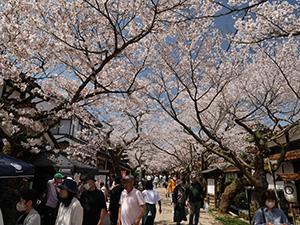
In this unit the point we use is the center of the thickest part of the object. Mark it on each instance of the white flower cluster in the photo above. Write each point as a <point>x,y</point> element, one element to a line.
<point>34,125</point>
<point>32,142</point>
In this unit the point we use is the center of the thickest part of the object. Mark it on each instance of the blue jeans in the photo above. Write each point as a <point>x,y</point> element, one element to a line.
<point>194,212</point>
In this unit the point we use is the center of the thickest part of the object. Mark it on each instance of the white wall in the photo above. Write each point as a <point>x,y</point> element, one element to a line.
<point>294,135</point>
<point>286,167</point>
<point>211,186</point>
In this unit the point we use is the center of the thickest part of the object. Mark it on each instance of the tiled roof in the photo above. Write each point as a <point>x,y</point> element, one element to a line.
<point>289,156</point>
<point>231,169</point>
<point>288,177</point>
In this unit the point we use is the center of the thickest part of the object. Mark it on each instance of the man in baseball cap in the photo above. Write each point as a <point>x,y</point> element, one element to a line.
<point>58,175</point>
<point>132,203</point>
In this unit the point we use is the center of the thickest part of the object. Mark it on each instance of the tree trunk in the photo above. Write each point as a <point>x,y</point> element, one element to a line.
<point>116,167</point>
<point>260,176</point>
<point>239,184</point>
<point>230,192</point>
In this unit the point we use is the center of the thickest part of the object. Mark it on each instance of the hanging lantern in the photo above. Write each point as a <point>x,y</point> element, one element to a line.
<point>290,192</point>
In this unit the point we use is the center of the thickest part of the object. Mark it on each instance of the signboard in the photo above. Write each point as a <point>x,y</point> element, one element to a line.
<point>123,173</point>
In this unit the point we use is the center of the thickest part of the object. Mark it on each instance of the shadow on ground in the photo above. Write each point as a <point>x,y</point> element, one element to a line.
<point>163,222</point>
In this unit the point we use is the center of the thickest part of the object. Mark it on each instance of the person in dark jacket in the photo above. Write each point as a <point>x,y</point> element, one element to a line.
<point>115,193</point>
<point>194,195</point>
<point>179,202</point>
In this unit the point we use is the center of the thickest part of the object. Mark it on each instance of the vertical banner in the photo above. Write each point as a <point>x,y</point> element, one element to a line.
<point>123,173</point>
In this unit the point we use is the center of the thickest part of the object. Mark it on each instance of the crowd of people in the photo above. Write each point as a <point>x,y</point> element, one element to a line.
<point>69,203</point>
<point>187,199</point>
<point>130,203</point>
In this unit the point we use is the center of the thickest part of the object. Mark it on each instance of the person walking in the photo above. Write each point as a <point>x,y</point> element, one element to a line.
<point>269,214</point>
<point>194,197</point>
<point>141,185</point>
<point>70,211</point>
<point>93,203</point>
<point>155,181</point>
<point>132,204</point>
<point>52,201</point>
<point>179,202</point>
<point>112,182</point>
<point>171,186</point>
<point>27,200</point>
<point>151,197</point>
<point>115,194</point>
<point>165,185</point>
<point>104,190</point>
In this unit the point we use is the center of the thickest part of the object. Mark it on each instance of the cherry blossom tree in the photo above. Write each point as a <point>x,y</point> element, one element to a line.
<point>221,96</point>
<point>75,53</point>
<point>89,55</point>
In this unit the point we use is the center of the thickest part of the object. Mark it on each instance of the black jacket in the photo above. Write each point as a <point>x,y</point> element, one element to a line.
<point>115,195</point>
<point>194,192</point>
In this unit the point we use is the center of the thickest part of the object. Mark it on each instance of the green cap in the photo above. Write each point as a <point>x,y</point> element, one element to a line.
<point>58,175</point>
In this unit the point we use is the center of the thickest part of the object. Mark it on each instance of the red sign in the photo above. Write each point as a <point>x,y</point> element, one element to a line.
<point>123,173</point>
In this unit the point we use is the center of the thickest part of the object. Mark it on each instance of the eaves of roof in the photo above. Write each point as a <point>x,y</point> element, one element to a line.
<point>289,156</point>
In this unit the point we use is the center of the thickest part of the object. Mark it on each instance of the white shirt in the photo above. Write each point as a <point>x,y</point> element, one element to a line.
<point>71,215</point>
<point>151,196</point>
<point>130,206</point>
<point>103,189</point>
<point>52,193</point>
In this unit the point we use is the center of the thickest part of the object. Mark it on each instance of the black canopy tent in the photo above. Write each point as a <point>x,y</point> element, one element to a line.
<point>58,162</point>
<point>11,167</point>
<point>80,167</point>
<point>48,163</point>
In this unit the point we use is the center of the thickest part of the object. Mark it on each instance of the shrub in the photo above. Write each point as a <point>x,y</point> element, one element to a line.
<point>241,200</point>
<point>228,220</point>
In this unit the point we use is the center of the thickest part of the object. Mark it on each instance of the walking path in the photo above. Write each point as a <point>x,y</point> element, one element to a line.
<point>166,217</point>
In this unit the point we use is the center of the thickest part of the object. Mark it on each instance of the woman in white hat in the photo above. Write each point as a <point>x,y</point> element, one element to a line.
<point>179,202</point>
<point>70,211</point>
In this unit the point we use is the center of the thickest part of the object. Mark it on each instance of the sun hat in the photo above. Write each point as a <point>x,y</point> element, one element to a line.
<point>69,185</point>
